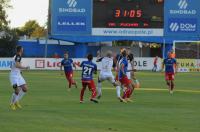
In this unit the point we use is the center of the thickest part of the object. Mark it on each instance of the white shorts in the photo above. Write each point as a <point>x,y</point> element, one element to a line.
<point>109,77</point>
<point>128,74</point>
<point>17,80</point>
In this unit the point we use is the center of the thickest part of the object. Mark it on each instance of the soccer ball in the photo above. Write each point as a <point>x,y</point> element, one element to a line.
<point>136,83</point>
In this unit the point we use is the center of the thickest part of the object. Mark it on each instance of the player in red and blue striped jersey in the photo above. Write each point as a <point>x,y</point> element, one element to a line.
<point>125,82</point>
<point>88,69</point>
<point>67,63</point>
<point>170,66</point>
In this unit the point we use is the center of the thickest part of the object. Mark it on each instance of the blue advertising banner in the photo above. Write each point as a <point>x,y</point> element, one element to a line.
<point>70,17</point>
<point>182,18</point>
<point>137,20</point>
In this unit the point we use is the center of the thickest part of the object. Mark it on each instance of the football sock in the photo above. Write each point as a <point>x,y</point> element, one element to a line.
<point>130,93</point>
<point>21,94</point>
<point>168,84</point>
<point>99,89</point>
<point>73,82</point>
<point>82,94</point>
<point>125,93</point>
<point>70,83</point>
<point>13,98</point>
<point>172,86</point>
<point>118,91</point>
<point>94,93</point>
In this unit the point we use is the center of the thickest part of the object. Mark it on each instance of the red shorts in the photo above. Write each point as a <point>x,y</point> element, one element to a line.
<point>90,84</point>
<point>169,76</point>
<point>69,75</point>
<point>116,77</point>
<point>125,81</point>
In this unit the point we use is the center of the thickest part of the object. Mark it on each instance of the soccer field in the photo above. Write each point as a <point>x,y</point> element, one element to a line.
<point>49,107</point>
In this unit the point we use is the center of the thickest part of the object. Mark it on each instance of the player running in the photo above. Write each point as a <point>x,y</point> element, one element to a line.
<point>88,69</point>
<point>170,66</point>
<point>106,74</point>
<point>67,63</point>
<point>17,81</point>
<point>125,82</point>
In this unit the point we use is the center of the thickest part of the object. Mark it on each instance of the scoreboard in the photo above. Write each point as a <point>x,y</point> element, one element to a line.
<point>107,17</point>
<point>128,13</point>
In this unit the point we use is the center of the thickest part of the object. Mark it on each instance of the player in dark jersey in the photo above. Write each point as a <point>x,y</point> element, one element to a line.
<point>88,69</point>
<point>67,63</point>
<point>116,62</point>
<point>170,66</point>
<point>123,68</point>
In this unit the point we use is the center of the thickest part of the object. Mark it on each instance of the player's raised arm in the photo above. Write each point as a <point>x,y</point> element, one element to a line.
<point>99,57</point>
<point>98,54</point>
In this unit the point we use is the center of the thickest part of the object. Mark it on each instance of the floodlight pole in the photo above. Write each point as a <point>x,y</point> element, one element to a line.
<point>164,48</point>
<point>46,43</point>
<point>46,47</point>
<point>198,51</point>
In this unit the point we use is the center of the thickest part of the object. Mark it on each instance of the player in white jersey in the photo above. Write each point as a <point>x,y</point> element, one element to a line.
<point>17,81</point>
<point>131,69</point>
<point>106,74</point>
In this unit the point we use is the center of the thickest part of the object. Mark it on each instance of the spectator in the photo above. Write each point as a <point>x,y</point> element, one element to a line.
<point>56,56</point>
<point>155,64</point>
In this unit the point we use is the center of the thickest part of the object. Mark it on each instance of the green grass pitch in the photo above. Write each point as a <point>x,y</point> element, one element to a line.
<point>49,107</point>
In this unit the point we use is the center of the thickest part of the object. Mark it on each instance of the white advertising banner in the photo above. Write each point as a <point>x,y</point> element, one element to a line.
<point>126,32</point>
<point>54,64</point>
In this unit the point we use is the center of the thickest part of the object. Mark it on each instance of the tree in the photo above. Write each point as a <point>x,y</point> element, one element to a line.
<point>4,4</point>
<point>39,32</point>
<point>8,42</point>
<point>32,29</point>
<point>8,37</point>
<point>29,27</point>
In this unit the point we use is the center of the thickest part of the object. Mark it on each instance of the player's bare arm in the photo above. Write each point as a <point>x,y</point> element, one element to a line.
<point>176,68</point>
<point>18,65</point>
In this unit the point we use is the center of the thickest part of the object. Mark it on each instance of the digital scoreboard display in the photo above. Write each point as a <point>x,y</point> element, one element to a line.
<point>145,14</point>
